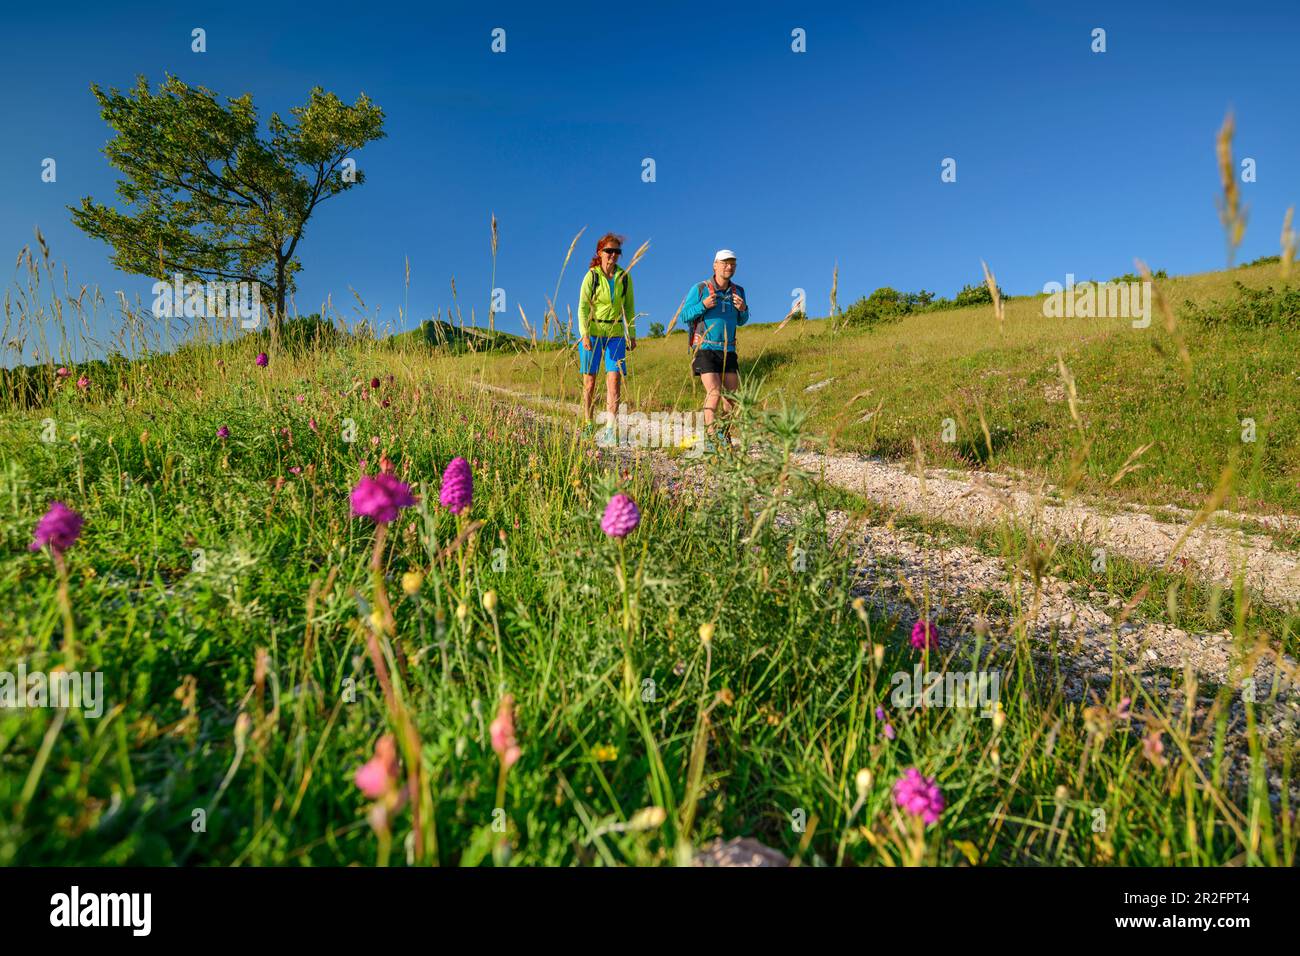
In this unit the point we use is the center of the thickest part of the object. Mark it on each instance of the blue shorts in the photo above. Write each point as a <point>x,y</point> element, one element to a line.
<point>613,347</point>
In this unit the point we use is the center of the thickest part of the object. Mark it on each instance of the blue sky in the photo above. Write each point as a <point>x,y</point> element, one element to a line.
<point>1068,161</point>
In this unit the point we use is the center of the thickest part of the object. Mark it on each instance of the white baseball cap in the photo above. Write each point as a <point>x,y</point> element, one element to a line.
<point>724,254</point>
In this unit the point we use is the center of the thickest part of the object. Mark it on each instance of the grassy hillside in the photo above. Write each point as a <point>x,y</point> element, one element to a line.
<point>892,384</point>
<point>458,340</point>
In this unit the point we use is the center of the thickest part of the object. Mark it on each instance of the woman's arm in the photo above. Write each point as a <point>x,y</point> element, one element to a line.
<point>629,310</point>
<point>584,304</point>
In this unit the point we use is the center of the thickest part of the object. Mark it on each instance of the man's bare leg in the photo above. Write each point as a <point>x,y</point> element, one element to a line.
<point>712,383</point>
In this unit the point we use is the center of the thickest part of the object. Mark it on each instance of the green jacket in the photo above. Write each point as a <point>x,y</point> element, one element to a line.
<point>599,315</point>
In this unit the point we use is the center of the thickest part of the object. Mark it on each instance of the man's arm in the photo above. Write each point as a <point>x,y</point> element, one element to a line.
<point>694,307</point>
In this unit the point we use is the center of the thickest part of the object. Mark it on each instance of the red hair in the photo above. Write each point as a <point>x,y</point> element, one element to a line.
<point>600,244</point>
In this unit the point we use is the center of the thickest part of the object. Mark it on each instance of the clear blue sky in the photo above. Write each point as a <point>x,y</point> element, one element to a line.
<point>1067,160</point>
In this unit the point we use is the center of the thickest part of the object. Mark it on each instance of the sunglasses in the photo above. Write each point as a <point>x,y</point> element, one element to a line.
<point>612,252</point>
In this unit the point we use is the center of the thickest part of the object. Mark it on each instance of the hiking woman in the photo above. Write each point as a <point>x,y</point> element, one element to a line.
<point>713,311</point>
<point>606,322</point>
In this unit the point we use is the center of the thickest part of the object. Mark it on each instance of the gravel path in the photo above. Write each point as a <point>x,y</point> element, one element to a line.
<point>1216,553</point>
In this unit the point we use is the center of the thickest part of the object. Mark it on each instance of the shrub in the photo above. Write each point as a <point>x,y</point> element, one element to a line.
<point>1249,309</point>
<point>1133,277</point>
<point>976,295</point>
<point>883,305</point>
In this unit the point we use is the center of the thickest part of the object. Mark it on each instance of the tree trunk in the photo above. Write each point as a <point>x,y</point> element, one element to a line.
<point>277,317</point>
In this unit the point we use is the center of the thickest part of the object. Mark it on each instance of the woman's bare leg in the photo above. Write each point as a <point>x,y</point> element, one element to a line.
<point>613,380</point>
<point>588,396</point>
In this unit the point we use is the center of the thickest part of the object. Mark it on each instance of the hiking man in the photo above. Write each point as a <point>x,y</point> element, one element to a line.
<point>713,311</point>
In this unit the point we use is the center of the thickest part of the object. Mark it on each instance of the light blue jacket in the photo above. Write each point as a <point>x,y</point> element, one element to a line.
<point>719,323</point>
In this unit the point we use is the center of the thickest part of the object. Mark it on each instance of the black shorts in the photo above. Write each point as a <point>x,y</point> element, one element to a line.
<point>711,360</point>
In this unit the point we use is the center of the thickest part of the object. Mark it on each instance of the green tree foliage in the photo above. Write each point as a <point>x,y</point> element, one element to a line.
<point>206,195</point>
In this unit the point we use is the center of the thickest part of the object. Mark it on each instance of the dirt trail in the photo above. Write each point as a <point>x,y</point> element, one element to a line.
<point>1214,551</point>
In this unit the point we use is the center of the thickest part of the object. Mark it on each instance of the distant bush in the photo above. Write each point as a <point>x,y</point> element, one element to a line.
<point>1261,261</point>
<point>1133,277</point>
<point>883,305</point>
<point>1249,309</point>
<point>656,330</point>
<point>976,295</point>
<point>889,305</point>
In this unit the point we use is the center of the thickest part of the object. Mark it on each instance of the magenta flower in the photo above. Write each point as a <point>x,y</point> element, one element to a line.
<point>457,492</point>
<point>300,399</point>
<point>296,470</point>
<point>83,383</point>
<point>503,732</point>
<point>380,497</point>
<point>621,516</point>
<point>377,775</point>
<point>59,528</point>
<point>311,423</point>
<point>919,795</point>
<point>63,372</point>
<point>261,360</point>
<point>374,383</point>
<point>223,432</point>
<point>924,635</point>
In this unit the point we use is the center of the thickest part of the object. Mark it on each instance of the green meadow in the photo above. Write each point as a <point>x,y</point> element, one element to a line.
<point>687,681</point>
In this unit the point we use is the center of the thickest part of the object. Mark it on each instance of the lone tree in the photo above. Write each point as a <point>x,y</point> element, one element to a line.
<point>208,197</point>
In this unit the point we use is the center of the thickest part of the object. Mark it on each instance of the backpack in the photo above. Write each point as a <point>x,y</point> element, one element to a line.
<point>707,284</point>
